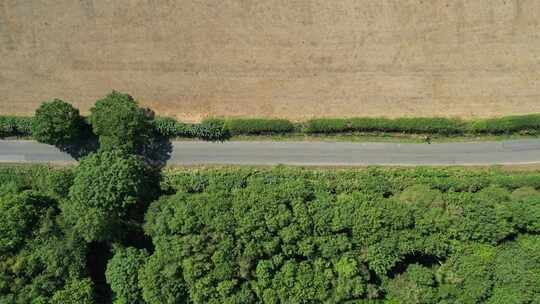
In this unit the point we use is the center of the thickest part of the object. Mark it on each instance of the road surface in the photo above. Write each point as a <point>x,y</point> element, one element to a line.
<point>309,153</point>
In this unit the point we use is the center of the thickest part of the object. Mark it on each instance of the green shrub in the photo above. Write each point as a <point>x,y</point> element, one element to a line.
<point>256,126</point>
<point>437,125</point>
<point>508,124</point>
<point>169,127</point>
<point>15,126</point>
<point>212,129</point>
<point>327,125</point>
<point>56,123</point>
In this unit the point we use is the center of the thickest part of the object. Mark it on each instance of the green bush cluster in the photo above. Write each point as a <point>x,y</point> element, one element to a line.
<point>257,126</point>
<point>15,126</point>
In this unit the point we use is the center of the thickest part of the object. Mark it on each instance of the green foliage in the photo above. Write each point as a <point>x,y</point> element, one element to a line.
<point>20,213</point>
<point>75,291</point>
<point>119,123</point>
<point>122,275</point>
<point>15,126</point>
<point>161,281</point>
<point>354,236</point>
<point>250,126</point>
<point>435,125</point>
<point>106,185</point>
<point>416,286</point>
<point>37,256</point>
<point>169,127</point>
<point>508,124</point>
<point>57,123</point>
<point>282,235</point>
<point>212,129</point>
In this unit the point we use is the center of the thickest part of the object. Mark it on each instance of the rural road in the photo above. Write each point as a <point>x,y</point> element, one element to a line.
<point>310,153</point>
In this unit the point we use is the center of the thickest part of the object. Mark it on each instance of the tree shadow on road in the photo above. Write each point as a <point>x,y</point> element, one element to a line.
<point>157,151</point>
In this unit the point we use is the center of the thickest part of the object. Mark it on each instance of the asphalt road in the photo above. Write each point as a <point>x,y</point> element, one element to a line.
<point>310,153</point>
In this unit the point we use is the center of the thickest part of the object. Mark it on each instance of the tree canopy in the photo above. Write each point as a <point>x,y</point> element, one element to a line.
<point>57,123</point>
<point>120,123</point>
<point>105,186</point>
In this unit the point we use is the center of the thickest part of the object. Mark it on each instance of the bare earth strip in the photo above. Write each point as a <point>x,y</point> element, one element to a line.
<point>311,153</point>
<point>290,59</point>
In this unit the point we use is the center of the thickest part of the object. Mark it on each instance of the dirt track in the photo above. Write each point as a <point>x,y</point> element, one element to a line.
<point>284,58</point>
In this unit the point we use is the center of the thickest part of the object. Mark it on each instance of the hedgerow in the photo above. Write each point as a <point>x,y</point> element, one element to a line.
<point>169,127</point>
<point>257,126</point>
<point>438,125</point>
<point>15,126</point>
<point>509,124</point>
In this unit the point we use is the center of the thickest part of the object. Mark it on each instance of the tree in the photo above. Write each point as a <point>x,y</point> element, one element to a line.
<point>78,291</point>
<point>37,256</point>
<point>57,123</point>
<point>161,281</point>
<point>122,275</point>
<point>120,123</point>
<point>416,286</point>
<point>106,185</point>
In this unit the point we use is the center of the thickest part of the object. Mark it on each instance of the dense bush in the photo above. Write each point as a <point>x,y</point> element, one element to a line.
<point>120,123</point>
<point>436,125</point>
<point>57,123</point>
<point>255,126</point>
<point>508,124</point>
<point>15,126</point>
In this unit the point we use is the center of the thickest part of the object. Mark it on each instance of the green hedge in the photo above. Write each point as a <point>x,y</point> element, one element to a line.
<point>507,124</point>
<point>169,127</point>
<point>221,129</point>
<point>15,126</point>
<point>256,126</point>
<point>436,125</point>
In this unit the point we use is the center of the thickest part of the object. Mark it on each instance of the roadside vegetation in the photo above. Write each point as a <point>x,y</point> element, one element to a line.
<point>416,129</point>
<point>281,235</point>
<point>120,228</point>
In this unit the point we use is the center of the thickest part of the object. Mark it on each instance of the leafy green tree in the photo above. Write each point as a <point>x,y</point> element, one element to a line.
<point>122,274</point>
<point>37,256</point>
<point>107,184</point>
<point>57,123</point>
<point>161,281</point>
<point>416,286</point>
<point>120,123</point>
<point>75,291</point>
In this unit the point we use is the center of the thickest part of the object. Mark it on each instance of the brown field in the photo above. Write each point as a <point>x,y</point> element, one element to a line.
<point>282,58</point>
